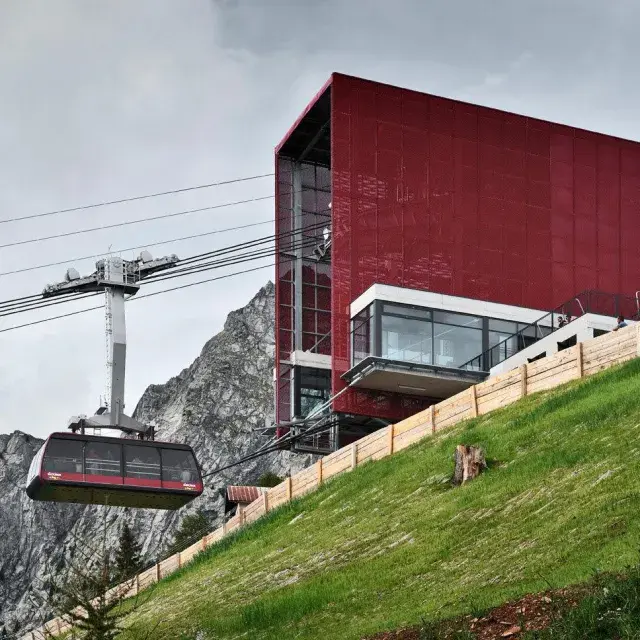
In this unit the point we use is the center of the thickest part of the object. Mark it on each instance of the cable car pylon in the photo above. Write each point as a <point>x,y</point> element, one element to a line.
<point>116,277</point>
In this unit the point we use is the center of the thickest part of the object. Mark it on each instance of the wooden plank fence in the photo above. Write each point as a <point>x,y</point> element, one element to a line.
<point>584,359</point>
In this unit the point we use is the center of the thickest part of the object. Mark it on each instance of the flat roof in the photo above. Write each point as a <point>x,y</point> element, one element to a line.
<point>309,138</point>
<point>325,91</point>
<point>424,298</point>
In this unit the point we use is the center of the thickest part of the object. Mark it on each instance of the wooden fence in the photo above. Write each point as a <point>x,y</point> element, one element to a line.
<point>583,359</point>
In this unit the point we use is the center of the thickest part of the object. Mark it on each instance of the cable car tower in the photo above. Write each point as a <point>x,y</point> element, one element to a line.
<point>117,278</point>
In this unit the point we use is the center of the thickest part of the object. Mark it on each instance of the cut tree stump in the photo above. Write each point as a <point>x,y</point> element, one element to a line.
<point>470,462</point>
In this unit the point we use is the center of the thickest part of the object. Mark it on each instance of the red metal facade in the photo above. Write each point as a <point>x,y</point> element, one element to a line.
<point>436,194</point>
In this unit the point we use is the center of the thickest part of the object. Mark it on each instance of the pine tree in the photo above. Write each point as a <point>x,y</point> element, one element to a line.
<point>128,555</point>
<point>81,597</point>
<point>192,528</point>
<point>269,479</point>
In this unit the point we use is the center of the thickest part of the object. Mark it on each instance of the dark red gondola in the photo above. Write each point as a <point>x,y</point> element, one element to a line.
<point>88,469</point>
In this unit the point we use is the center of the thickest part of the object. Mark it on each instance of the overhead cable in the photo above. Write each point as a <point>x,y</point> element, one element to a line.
<point>66,234</point>
<point>142,246</point>
<point>225,256</point>
<point>46,302</point>
<point>134,198</point>
<point>146,295</point>
<point>277,446</point>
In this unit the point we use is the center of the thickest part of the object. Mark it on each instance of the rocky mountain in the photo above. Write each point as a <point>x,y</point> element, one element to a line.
<point>216,405</point>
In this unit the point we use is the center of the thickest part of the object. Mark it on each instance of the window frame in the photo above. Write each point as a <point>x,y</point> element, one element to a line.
<point>134,444</point>
<point>102,443</point>
<point>198,476</point>
<point>44,451</point>
<point>377,312</point>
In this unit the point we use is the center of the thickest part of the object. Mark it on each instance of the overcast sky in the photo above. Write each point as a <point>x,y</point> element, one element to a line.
<point>103,99</point>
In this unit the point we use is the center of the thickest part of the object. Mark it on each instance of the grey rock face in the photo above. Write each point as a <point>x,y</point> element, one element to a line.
<point>216,405</point>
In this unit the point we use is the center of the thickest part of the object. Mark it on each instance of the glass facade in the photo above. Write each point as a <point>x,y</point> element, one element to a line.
<point>456,338</point>
<point>362,335</point>
<point>432,336</point>
<point>407,334</point>
<point>304,283</point>
<point>311,388</point>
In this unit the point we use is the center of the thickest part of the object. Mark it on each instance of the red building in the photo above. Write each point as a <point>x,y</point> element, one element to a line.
<point>378,185</point>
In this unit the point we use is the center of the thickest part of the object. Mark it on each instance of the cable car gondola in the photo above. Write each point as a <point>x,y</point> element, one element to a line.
<point>96,469</point>
<point>90,469</point>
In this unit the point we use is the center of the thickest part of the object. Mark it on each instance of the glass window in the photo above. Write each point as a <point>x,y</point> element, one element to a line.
<point>310,399</point>
<point>458,319</point>
<point>141,462</point>
<point>361,345</point>
<point>178,465</point>
<point>314,389</point>
<point>502,346</point>
<point>502,340</point>
<point>503,326</point>
<point>33,467</point>
<point>103,458</point>
<point>453,345</point>
<point>406,339</point>
<point>406,311</point>
<point>63,456</point>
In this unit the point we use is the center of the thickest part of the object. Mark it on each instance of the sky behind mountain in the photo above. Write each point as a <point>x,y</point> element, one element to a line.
<point>103,100</point>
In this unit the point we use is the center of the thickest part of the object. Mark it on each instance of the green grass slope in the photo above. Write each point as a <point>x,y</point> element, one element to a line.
<point>392,542</point>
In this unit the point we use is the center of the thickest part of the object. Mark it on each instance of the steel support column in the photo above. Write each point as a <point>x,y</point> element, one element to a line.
<point>297,242</point>
<point>117,337</point>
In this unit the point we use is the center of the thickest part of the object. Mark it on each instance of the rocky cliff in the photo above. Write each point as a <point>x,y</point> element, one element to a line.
<point>216,405</point>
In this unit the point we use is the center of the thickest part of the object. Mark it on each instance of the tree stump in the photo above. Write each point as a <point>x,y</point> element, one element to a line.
<point>470,462</point>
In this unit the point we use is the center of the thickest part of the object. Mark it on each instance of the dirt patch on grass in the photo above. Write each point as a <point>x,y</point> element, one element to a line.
<point>511,620</point>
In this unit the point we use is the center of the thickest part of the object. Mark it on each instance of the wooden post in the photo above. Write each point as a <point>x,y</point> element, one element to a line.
<point>158,572</point>
<point>224,528</point>
<point>265,501</point>
<point>204,543</point>
<point>319,469</point>
<point>523,380</point>
<point>137,583</point>
<point>474,401</point>
<point>432,417</point>
<point>179,560</point>
<point>242,516</point>
<point>638,339</point>
<point>289,488</point>
<point>579,362</point>
<point>391,435</point>
<point>354,455</point>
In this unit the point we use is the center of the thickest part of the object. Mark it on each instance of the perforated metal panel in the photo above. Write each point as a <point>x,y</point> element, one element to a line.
<point>440,195</point>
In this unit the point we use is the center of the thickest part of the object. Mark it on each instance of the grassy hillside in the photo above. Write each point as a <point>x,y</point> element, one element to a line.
<point>392,542</point>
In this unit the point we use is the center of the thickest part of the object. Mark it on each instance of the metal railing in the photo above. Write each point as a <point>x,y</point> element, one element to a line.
<point>322,441</point>
<point>590,301</point>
